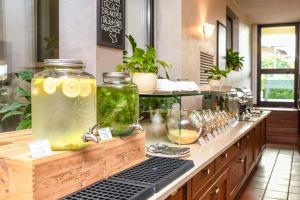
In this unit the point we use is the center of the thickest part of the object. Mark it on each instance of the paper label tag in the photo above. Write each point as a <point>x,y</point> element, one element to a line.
<point>210,137</point>
<point>215,133</point>
<point>226,127</point>
<point>220,130</point>
<point>39,148</point>
<point>104,133</point>
<point>201,141</point>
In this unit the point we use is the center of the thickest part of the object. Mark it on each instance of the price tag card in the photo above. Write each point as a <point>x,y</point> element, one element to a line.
<point>226,127</point>
<point>39,148</point>
<point>222,130</point>
<point>210,137</point>
<point>104,133</point>
<point>201,141</point>
<point>215,133</point>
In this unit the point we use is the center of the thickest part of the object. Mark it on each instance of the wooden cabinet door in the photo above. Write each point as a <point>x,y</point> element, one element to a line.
<point>237,175</point>
<point>179,195</point>
<point>249,142</point>
<point>257,145</point>
<point>263,134</point>
<point>218,190</point>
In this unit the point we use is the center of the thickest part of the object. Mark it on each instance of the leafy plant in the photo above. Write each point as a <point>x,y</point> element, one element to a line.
<point>20,108</point>
<point>50,42</point>
<point>233,60</point>
<point>144,61</point>
<point>216,74</point>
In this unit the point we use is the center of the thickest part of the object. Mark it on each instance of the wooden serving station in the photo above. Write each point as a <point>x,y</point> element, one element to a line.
<point>62,172</point>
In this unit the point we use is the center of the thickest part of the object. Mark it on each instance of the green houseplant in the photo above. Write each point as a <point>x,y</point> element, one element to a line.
<point>215,75</point>
<point>233,60</point>
<point>21,107</point>
<point>143,66</point>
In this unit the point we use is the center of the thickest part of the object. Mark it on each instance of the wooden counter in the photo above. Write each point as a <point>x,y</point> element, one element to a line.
<point>221,166</point>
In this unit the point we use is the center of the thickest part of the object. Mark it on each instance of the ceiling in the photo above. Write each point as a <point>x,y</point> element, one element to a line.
<point>270,11</point>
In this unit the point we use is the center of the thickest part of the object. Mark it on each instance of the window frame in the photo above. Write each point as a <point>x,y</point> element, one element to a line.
<point>261,71</point>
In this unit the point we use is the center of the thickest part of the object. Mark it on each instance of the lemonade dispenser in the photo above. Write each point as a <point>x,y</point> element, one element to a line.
<point>63,103</point>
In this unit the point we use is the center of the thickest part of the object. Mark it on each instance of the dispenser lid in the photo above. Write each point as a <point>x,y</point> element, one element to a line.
<point>64,62</point>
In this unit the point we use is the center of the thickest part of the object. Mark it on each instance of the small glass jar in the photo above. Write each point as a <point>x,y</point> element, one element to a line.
<point>118,103</point>
<point>63,103</point>
<point>183,127</point>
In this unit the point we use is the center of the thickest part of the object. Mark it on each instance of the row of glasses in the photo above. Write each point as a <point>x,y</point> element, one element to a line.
<point>212,120</point>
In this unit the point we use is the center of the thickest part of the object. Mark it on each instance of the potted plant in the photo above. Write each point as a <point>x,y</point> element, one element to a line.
<point>233,60</point>
<point>143,66</point>
<point>215,75</point>
<point>21,107</point>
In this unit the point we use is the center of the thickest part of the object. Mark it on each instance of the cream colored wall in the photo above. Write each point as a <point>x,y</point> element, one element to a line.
<point>241,78</point>
<point>168,34</point>
<point>184,52</point>
<point>254,62</point>
<point>194,14</point>
<point>78,37</point>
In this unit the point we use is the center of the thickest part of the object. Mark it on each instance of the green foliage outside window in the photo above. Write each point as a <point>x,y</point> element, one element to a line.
<point>268,63</point>
<point>279,93</point>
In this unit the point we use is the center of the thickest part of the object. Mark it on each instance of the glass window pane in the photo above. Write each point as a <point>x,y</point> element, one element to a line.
<point>278,46</point>
<point>229,33</point>
<point>29,33</point>
<point>277,87</point>
<point>136,22</point>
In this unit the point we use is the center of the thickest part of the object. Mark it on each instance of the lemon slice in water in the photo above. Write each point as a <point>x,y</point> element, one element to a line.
<point>49,85</point>
<point>71,88</point>
<point>85,88</point>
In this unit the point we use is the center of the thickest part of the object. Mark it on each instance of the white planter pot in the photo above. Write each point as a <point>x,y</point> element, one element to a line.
<point>146,82</point>
<point>214,82</point>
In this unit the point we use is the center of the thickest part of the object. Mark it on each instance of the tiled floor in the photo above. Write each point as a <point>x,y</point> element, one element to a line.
<point>277,176</point>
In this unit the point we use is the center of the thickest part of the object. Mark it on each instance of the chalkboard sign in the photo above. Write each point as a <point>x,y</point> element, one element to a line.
<point>111,23</point>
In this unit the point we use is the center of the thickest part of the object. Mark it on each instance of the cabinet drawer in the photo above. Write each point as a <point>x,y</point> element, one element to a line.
<point>199,181</point>
<point>217,191</point>
<point>225,157</point>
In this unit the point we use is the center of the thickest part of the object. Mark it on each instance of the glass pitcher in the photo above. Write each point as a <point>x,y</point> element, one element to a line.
<point>183,127</point>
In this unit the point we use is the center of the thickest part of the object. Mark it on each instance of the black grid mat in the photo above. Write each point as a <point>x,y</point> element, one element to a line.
<point>157,172</point>
<point>112,190</point>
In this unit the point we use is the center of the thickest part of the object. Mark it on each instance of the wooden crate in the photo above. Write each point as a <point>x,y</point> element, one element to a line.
<point>63,172</point>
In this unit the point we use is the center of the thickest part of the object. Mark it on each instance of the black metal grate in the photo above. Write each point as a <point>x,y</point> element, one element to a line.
<point>157,172</point>
<point>112,190</point>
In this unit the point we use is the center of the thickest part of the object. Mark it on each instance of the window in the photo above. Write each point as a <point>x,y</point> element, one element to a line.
<point>139,22</point>
<point>229,32</point>
<point>277,64</point>
<point>28,34</point>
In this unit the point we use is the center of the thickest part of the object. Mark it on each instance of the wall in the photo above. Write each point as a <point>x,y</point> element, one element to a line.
<point>254,62</point>
<point>168,34</point>
<point>78,37</point>
<point>194,14</point>
<point>179,39</point>
<point>241,78</point>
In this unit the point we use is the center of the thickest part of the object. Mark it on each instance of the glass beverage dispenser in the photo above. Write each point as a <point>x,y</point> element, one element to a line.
<point>63,103</point>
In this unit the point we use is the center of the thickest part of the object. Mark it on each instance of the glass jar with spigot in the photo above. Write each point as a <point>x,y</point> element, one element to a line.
<point>63,103</point>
